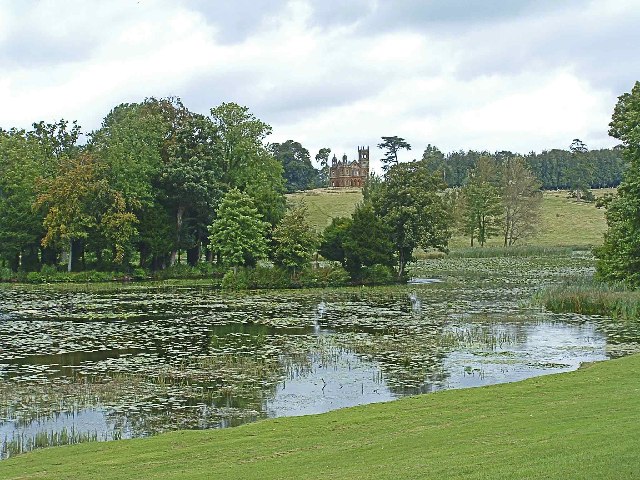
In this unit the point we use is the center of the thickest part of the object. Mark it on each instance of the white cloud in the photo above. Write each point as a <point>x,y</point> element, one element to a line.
<point>530,77</point>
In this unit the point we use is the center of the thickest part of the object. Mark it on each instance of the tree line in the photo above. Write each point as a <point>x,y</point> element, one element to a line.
<point>145,187</point>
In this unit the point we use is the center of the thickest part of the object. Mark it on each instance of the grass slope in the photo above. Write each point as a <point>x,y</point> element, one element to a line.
<point>563,221</point>
<point>576,425</point>
<point>323,204</point>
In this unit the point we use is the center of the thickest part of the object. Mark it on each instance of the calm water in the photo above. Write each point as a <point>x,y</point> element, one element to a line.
<point>102,365</point>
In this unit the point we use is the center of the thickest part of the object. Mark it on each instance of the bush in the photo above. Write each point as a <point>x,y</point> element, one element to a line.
<point>333,276</point>
<point>235,280</point>
<point>268,277</point>
<point>378,275</point>
<point>6,275</point>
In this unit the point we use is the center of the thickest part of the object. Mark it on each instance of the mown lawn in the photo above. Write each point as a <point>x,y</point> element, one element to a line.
<point>579,425</point>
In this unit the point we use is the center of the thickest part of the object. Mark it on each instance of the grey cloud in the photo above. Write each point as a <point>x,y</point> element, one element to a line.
<point>283,102</point>
<point>235,20</point>
<point>604,55</point>
<point>451,16</point>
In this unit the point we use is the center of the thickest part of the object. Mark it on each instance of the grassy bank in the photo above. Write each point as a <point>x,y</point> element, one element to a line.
<point>564,222</point>
<point>576,425</point>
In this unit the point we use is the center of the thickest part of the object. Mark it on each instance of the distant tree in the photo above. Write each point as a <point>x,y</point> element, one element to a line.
<point>435,161</point>
<point>79,200</point>
<point>322,157</point>
<point>521,200</point>
<point>580,171</point>
<point>294,242</point>
<point>392,145</point>
<point>333,238</point>
<point>238,232</point>
<point>22,162</point>
<point>190,183</point>
<point>481,208</point>
<point>619,256</point>
<point>299,173</point>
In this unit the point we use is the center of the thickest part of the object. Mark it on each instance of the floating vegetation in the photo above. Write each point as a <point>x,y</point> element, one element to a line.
<point>87,364</point>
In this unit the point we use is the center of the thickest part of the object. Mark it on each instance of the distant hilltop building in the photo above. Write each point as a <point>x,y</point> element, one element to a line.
<point>350,174</point>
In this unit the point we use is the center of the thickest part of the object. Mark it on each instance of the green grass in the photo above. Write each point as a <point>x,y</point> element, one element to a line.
<point>323,204</point>
<point>576,425</point>
<point>564,222</point>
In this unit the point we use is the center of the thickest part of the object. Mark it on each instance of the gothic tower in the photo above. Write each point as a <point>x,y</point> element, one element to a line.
<point>363,160</point>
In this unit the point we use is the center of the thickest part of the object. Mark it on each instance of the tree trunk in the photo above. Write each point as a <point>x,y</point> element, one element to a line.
<point>70,255</point>
<point>179,219</point>
<point>193,255</point>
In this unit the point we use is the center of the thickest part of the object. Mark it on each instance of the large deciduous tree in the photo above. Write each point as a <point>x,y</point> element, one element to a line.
<point>411,202</point>
<point>521,200</point>
<point>299,173</point>
<point>245,161</point>
<point>78,201</point>
<point>619,256</point>
<point>481,209</point>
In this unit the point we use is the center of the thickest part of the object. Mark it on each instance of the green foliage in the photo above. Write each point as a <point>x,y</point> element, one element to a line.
<point>235,279</point>
<point>392,145</point>
<point>619,256</point>
<point>245,162</point>
<point>411,203</point>
<point>367,241</point>
<point>294,241</point>
<point>298,171</point>
<point>332,276</point>
<point>481,208</point>
<point>238,234</point>
<point>377,275</point>
<point>333,238</point>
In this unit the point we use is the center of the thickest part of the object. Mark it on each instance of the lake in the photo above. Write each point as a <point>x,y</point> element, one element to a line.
<point>83,363</point>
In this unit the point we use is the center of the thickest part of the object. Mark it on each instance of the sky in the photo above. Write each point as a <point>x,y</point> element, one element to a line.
<point>519,75</point>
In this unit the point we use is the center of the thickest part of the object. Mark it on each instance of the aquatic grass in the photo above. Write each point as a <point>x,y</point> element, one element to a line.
<point>591,298</point>
<point>514,251</point>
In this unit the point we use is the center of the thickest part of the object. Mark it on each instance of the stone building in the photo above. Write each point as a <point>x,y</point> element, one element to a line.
<point>344,173</point>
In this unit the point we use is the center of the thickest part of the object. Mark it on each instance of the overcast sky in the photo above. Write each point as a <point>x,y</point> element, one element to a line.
<point>514,75</point>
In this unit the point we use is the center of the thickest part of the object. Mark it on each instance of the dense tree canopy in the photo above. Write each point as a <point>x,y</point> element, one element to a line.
<point>299,173</point>
<point>238,234</point>
<point>619,256</point>
<point>411,204</point>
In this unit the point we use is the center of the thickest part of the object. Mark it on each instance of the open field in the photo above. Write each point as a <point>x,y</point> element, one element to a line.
<point>563,222</point>
<point>575,425</point>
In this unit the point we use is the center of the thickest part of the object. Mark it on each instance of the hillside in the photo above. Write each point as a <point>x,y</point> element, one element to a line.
<point>563,222</point>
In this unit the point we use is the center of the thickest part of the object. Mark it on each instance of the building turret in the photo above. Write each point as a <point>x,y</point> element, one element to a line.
<point>363,157</point>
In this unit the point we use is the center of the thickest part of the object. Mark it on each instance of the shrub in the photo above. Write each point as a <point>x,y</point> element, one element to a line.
<point>235,280</point>
<point>377,275</point>
<point>268,277</point>
<point>332,276</point>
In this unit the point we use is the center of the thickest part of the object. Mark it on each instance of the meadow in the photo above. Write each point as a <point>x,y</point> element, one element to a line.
<point>563,220</point>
